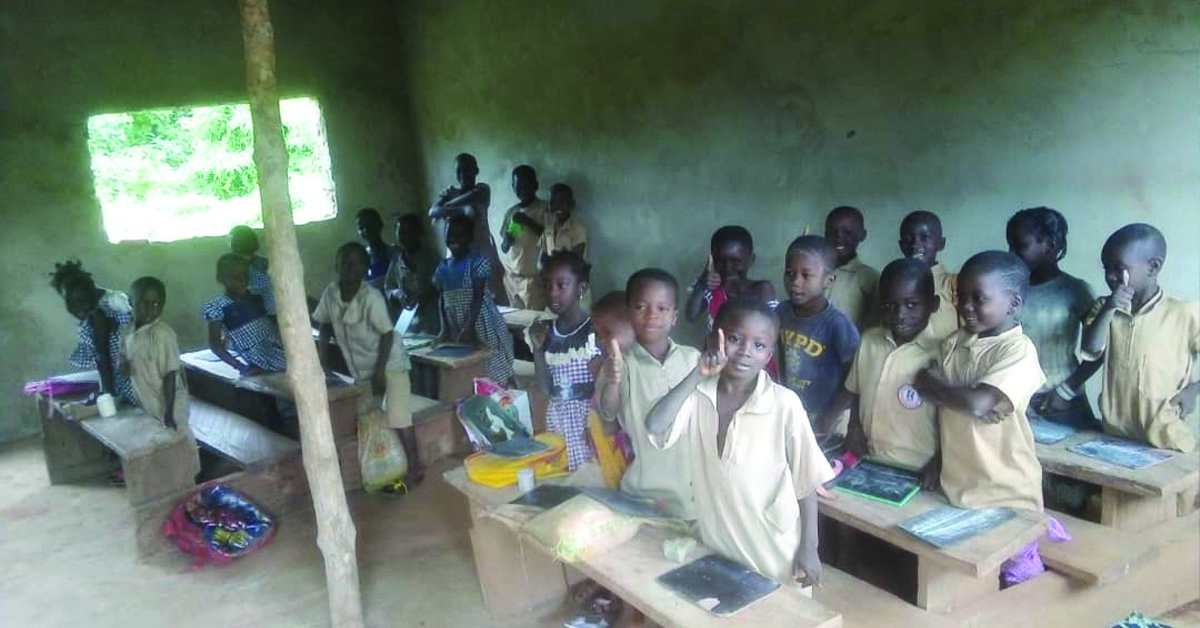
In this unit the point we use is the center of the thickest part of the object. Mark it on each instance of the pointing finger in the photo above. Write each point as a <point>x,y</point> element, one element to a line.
<point>1125,278</point>
<point>721,343</point>
<point>708,266</point>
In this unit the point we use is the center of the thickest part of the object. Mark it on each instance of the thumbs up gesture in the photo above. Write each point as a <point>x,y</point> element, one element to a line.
<point>1122,296</point>
<point>712,279</point>
<point>613,362</point>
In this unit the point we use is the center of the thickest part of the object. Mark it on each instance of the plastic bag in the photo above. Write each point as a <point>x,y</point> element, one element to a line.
<point>60,387</point>
<point>497,471</point>
<point>580,528</point>
<point>612,460</point>
<point>1027,564</point>
<point>380,453</point>
<point>217,524</point>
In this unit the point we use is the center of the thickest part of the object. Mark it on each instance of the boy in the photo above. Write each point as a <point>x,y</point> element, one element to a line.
<point>244,317</point>
<point>243,242</point>
<point>520,235</point>
<point>151,353</point>
<point>471,198</point>
<point>356,314</point>
<point>817,341</point>
<point>633,383</point>
<point>888,417</point>
<point>564,231</point>
<point>409,280</point>
<point>1149,341</point>
<point>369,225</point>
<point>855,284</point>
<point>989,372</point>
<point>921,239</point>
<point>730,257</point>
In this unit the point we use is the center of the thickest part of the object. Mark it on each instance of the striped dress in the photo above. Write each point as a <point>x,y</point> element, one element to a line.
<point>567,358</point>
<point>457,279</point>
<point>116,307</point>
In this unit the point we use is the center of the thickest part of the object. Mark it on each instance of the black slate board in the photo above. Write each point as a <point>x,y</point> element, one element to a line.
<point>546,496</point>
<point>733,585</point>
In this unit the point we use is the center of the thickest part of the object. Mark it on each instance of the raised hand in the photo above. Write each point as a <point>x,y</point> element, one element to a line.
<point>712,280</point>
<point>714,359</point>
<point>1122,297</point>
<point>613,362</point>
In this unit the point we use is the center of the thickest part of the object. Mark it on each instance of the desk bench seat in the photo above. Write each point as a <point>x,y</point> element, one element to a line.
<point>236,438</point>
<point>1096,554</point>
<point>156,460</point>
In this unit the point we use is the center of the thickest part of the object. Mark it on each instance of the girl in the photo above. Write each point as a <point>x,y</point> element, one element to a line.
<point>731,254</point>
<point>755,462</point>
<point>564,351</point>
<point>471,198</point>
<point>1052,316</point>
<point>469,313</point>
<point>242,315</point>
<point>104,318</point>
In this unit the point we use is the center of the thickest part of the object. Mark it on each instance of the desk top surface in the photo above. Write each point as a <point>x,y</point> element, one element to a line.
<point>976,556</point>
<point>523,318</point>
<point>1166,478</point>
<point>631,571</point>
<point>424,355</point>
<point>130,432</point>
<point>273,384</point>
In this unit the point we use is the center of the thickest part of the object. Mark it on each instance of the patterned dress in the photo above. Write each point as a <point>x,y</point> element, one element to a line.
<point>260,282</point>
<point>456,279</point>
<point>115,306</point>
<point>251,333</point>
<point>567,358</point>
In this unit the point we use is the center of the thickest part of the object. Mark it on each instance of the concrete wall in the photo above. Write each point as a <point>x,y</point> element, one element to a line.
<point>673,118</point>
<point>62,60</point>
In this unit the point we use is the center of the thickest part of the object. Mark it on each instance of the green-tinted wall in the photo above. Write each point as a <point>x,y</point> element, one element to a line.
<point>63,60</point>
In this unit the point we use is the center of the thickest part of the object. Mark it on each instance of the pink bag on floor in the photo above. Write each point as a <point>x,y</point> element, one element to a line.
<point>1028,563</point>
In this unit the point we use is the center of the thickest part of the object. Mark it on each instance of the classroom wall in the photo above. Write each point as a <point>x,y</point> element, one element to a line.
<point>62,60</point>
<point>672,118</point>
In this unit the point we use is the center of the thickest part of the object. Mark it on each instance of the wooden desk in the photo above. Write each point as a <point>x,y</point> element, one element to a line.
<point>1131,499</point>
<point>455,376</point>
<point>515,576</point>
<point>518,320</point>
<point>946,578</point>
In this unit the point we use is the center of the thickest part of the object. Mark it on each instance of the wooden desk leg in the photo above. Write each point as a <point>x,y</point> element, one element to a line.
<point>942,589</point>
<point>71,454</point>
<point>513,578</point>
<point>1126,511</point>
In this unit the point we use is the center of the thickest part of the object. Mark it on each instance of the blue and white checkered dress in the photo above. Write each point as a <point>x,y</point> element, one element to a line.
<point>567,357</point>
<point>115,305</point>
<point>259,282</point>
<point>251,333</point>
<point>457,278</point>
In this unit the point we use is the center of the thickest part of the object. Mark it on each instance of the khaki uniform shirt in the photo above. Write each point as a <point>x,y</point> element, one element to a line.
<point>853,292</point>
<point>664,475</point>
<point>152,351</point>
<point>747,495</point>
<point>1150,357</point>
<point>944,321</point>
<point>901,427</point>
<point>992,464</point>
<point>563,237</point>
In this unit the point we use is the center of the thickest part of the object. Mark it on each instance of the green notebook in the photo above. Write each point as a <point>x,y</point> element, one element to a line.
<point>876,481</point>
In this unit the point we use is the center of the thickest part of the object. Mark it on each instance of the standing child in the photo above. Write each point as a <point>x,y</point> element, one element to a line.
<point>151,352</point>
<point>817,341</point>
<point>636,380</point>
<point>243,242</point>
<point>520,237</point>
<point>1053,315</point>
<point>1150,343</point>
<point>564,231</point>
<point>563,352</point>
<point>104,317</point>
<point>409,282</point>
<point>471,198</point>
<point>369,225</point>
<point>356,315</point>
<point>614,332</point>
<point>469,313</point>
<point>755,465</point>
<point>855,284</point>
<point>243,316</point>
<point>731,254</point>
<point>921,239</point>
<point>988,373</point>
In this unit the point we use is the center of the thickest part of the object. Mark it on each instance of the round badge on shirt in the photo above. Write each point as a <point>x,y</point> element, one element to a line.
<point>909,397</point>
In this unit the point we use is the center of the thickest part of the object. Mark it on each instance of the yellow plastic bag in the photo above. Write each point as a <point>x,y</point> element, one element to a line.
<point>580,528</point>
<point>380,453</point>
<point>612,461</point>
<point>498,471</point>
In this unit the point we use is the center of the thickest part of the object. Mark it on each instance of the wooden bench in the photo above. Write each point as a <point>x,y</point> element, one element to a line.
<point>1131,499</point>
<point>946,578</point>
<point>516,576</point>
<point>235,438</point>
<point>1095,554</point>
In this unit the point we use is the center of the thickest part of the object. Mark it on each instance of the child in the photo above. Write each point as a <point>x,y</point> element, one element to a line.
<point>855,283</point>
<point>610,317</point>
<point>369,225</point>
<point>989,372</point>
<point>731,254</point>
<point>1150,343</point>
<point>563,353</point>
<point>1052,316</point>
<point>243,316</point>
<point>409,282</point>
<point>755,462</point>
<point>151,352</point>
<point>104,317</point>
<point>635,380</point>
<point>244,243</point>
<point>817,341</point>
<point>469,313</point>
<point>888,418</point>
<point>564,231</point>
<point>519,237</point>
<point>356,314</point>
<point>471,198</point>
<point>921,239</point>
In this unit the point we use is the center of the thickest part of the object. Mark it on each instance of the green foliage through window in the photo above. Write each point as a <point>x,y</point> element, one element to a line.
<point>180,173</point>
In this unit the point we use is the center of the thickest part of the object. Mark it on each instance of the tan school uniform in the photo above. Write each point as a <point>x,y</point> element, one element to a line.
<point>1149,358</point>
<point>521,279</point>
<point>566,237</point>
<point>945,320</point>
<point>747,495</point>
<point>661,474</point>
<point>900,425</point>
<point>992,464</point>
<point>853,292</point>
<point>151,352</point>
<point>358,326</point>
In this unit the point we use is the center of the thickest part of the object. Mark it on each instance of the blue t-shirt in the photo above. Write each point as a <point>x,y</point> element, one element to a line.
<point>814,352</point>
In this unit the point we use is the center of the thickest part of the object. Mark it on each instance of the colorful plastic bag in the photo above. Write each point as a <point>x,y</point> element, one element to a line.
<point>217,524</point>
<point>497,471</point>
<point>380,454</point>
<point>580,528</point>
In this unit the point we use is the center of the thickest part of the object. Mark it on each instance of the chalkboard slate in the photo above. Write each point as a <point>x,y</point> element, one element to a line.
<point>1121,452</point>
<point>731,585</point>
<point>451,351</point>
<point>945,526</point>
<point>546,496</point>
<point>879,482</point>
<point>1048,432</point>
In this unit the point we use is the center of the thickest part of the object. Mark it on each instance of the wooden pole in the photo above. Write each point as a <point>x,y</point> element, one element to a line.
<point>335,528</point>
